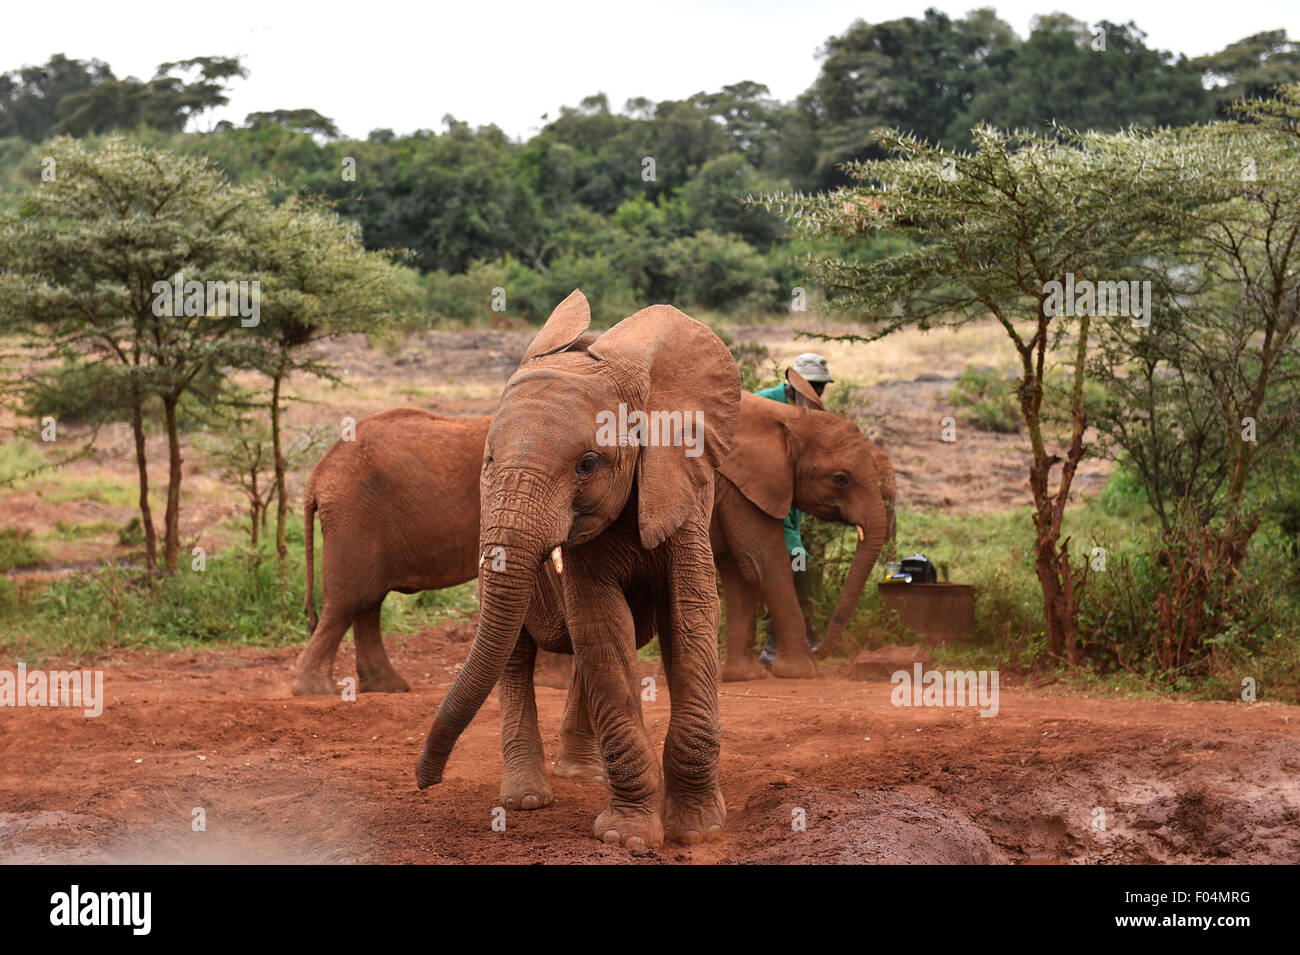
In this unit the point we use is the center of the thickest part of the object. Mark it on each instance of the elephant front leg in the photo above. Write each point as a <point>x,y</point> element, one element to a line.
<point>694,810</point>
<point>523,784</point>
<point>579,756</point>
<point>604,643</point>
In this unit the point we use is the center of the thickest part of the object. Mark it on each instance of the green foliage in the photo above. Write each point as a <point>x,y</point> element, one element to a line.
<point>77,97</point>
<point>240,598</point>
<point>989,399</point>
<point>132,533</point>
<point>19,457</point>
<point>1176,611</point>
<point>751,357</point>
<point>18,550</point>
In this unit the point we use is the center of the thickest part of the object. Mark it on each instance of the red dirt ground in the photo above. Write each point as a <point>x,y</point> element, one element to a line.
<point>285,779</point>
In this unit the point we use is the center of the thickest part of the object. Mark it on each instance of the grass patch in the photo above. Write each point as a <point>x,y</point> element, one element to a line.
<point>240,598</point>
<point>18,550</point>
<point>73,532</point>
<point>987,398</point>
<point>19,457</point>
<point>103,490</point>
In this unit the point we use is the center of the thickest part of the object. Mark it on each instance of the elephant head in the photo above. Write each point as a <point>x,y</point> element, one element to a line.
<point>634,420</point>
<point>821,463</point>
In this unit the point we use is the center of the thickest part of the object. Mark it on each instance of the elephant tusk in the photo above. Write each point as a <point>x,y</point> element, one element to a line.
<point>557,559</point>
<point>861,534</point>
<point>480,560</point>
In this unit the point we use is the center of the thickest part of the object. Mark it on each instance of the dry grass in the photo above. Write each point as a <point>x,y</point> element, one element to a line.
<point>905,355</point>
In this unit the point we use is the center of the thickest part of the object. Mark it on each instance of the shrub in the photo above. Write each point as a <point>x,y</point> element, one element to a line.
<point>18,550</point>
<point>988,398</point>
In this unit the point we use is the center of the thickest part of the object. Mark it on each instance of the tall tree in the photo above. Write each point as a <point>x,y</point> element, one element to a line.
<point>317,281</point>
<point>1006,230</point>
<point>82,263</point>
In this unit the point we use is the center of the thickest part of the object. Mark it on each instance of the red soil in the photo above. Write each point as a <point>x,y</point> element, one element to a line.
<point>285,779</point>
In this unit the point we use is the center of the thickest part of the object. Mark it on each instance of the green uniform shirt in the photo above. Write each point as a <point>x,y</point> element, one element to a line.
<point>793,520</point>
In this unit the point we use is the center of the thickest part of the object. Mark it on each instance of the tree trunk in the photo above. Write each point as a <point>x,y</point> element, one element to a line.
<point>172,521</point>
<point>254,507</point>
<point>1061,591</point>
<point>142,467</point>
<point>281,496</point>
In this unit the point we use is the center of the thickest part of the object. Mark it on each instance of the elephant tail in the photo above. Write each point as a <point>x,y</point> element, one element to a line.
<point>309,546</point>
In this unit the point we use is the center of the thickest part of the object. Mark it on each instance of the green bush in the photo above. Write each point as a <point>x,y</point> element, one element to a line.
<point>988,398</point>
<point>240,597</point>
<point>18,550</point>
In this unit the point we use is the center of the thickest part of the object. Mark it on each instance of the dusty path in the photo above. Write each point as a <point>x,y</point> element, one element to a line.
<point>284,779</point>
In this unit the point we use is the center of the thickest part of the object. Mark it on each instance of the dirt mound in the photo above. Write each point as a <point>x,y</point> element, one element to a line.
<point>861,826</point>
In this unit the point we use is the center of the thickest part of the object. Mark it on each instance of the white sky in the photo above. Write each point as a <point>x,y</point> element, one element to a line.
<point>403,65</point>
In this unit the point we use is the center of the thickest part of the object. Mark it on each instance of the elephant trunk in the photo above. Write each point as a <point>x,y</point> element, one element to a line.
<point>507,579</point>
<point>864,559</point>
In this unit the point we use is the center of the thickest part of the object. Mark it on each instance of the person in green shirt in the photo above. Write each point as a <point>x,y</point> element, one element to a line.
<point>815,371</point>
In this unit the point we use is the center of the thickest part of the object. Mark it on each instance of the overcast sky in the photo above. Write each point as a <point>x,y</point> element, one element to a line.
<point>404,66</point>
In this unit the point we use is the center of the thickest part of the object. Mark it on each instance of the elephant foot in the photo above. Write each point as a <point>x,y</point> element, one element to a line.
<point>694,819</point>
<point>526,789</point>
<point>734,671</point>
<point>313,684</point>
<point>585,769</point>
<point>637,831</point>
<point>389,682</point>
<point>795,666</point>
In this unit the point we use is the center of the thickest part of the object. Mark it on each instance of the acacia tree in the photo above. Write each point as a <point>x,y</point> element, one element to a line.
<point>1204,408</point>
<point>241,451</point>
<point>994,229</point>
<point>1202,401</point>
<point>317,281</point>
<point>81,259</point>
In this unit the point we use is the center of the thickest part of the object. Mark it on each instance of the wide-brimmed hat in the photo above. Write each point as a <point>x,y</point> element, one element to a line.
<point>813,367</point>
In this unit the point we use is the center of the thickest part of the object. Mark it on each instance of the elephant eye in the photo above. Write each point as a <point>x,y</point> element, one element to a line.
<point>840,480</point>
<point>587,463</point>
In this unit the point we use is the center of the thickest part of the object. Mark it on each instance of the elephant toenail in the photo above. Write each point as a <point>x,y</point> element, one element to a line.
<point>690,837</point>
<point>531,801</point>
<point>611,836</point>
<point>636,844</point>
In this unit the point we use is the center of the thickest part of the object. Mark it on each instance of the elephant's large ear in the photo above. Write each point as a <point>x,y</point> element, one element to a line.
<point>810,398</point>
<point>761,460</point>
<point>565,326</point>
<point>668,362</point>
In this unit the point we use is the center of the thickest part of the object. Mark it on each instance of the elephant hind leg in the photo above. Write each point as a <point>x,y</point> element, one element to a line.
<point>741,601</point>
<point>375,674</point>
<point>314,673</point>
<point>523,784</point>
<point>579,756</point>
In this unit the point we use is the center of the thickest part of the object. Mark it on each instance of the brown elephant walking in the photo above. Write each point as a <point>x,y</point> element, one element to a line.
<point>399,511</point>
<point>823,465</point>
<point>602,461</point>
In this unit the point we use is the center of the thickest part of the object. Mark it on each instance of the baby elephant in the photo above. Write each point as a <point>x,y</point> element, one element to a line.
<point>602,462</point>
<point>398,508</point>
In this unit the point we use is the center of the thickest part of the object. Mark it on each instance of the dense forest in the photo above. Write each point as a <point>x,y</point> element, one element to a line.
<point>641,203</point>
